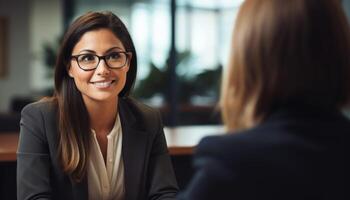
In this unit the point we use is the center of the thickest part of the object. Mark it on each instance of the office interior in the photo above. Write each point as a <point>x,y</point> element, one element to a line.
<point>182,48</point>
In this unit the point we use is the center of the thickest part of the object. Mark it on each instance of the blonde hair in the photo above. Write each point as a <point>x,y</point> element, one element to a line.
<point>285,50</point>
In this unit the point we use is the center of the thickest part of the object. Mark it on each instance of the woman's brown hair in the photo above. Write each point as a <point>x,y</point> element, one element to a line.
<point>285,50</point>
<point>73,118</point>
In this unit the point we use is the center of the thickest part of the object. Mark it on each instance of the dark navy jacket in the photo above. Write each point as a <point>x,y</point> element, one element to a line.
<point>297,153</point>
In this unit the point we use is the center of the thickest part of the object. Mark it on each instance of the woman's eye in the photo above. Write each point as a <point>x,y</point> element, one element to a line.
<point>86,58</point>
<point>113,56</point>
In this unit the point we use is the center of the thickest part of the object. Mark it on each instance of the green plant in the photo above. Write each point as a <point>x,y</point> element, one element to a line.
<point>205,83</point>
<point>49,54</point>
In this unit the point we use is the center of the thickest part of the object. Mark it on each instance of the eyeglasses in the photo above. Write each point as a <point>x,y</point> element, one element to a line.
<point>114,60</point>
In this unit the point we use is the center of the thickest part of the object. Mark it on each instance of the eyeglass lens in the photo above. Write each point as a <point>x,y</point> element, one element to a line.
<point>113,60</point>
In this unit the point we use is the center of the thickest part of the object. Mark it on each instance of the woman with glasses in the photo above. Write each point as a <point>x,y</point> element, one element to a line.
<point>283,91</point>
<point>91,140</point>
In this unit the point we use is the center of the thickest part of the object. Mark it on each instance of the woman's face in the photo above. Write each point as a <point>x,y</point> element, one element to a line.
<point>102,84</point>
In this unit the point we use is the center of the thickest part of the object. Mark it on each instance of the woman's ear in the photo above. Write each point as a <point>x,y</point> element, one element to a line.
<point>69,70</point>
<point>129,62</point>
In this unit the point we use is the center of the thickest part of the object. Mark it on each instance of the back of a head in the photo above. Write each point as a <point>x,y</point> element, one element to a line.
<point>286,50</point>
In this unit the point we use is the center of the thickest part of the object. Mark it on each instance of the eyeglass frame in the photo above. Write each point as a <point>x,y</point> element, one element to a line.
<point>127,53</point>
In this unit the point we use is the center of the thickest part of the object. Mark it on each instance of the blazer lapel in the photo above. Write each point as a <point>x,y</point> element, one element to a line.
<point>134,146</point>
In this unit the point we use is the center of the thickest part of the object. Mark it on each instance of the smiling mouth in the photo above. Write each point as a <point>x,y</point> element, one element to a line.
<point>103,84</point>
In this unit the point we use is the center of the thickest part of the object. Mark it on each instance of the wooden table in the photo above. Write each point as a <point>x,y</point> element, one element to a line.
<point>8,146</point>
<point>180,140</point>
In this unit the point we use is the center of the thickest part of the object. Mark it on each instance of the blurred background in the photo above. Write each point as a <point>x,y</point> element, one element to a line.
<point>182,46</point>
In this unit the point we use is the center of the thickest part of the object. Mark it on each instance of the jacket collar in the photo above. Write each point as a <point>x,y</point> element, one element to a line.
<point>134,146</point>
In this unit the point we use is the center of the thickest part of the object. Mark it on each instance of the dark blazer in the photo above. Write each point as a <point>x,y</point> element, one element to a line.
<point>297,153</point>
<point>148,170</point>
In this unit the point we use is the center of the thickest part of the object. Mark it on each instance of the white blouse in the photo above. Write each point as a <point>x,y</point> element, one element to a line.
<point>106,181</point>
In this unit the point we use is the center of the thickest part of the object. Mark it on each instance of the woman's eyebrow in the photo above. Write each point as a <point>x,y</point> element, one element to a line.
<point>114,48</point>
<point>87,50</point>
<point>107,51</point>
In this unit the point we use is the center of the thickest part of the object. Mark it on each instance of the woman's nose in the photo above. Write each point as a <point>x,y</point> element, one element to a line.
<point>102,68</point>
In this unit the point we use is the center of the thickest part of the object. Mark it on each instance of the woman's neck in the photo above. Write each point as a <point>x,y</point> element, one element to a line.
<point>102,115</point>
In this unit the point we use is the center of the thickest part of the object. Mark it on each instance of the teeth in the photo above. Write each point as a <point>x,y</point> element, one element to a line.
<point>103,84</point>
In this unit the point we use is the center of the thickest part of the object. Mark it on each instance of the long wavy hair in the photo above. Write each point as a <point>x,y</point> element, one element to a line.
<point>282,51</point>
<point>73,118</point>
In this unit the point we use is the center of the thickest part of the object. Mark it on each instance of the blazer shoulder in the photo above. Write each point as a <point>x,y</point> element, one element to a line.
<point>239,145</point>
<point>41,113</point>
<point>227,141</point>
<point>38,122</point>
<point>46,107</point>
<point>140,115</point>
<point>141,110</point>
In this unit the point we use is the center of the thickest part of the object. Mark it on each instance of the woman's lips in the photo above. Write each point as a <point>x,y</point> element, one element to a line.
<point>103,84</point>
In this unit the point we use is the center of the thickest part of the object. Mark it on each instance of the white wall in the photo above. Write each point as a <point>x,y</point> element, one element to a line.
<point>45,26</point>
<point>17,79</point>
<point>31,24</point>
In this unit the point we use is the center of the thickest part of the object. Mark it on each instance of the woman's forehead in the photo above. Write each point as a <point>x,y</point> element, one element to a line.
<point>99,40</point>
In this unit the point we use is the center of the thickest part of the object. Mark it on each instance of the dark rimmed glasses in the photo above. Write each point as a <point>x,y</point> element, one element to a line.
<point>114,60</point>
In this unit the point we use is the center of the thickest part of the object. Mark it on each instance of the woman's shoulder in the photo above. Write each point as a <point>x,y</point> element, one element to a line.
<point>39,119</point>
<point>226,146</point>
<point>140,114</point>
<point>229,138</point>
<point>138,108</point>
<point>44,106</point>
